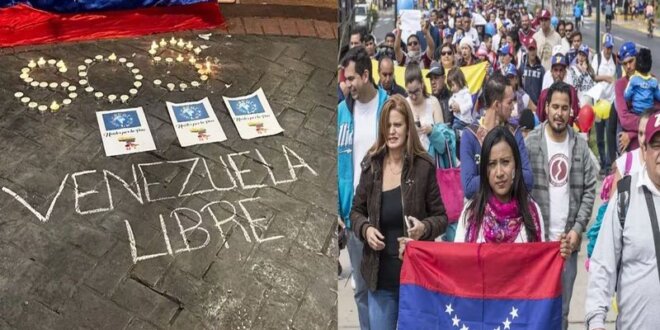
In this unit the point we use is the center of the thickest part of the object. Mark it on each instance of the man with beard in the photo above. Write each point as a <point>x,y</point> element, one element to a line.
<point>558,72</point>
<point>357,122</point>
<point>370,45</point>
<point>525,33</point>
<point>439,89</point>
<point>546,39</point>
<point>414,53</point>
<point>386,74</point>
<point>532,73</point>
<point>498,95</point>
<point>564,177</point>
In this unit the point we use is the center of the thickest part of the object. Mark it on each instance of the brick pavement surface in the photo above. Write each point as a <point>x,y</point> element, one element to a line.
<point>258,258</point>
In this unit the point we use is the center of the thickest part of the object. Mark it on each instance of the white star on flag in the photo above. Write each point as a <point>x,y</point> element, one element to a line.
<point>507,324</point>
<point>465,327</point>
<point>449,310</point>
<point>514,313</point>
<point>455,320</point>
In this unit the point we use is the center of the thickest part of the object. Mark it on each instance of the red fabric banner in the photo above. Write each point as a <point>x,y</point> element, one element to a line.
<point>24,25</point>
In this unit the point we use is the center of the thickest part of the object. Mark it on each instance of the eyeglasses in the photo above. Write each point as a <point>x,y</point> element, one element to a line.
<point>446,53</point>
<point>413,43</point>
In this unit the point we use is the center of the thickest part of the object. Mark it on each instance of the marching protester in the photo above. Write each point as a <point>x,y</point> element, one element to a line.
<point>565,175</point>
<point>425,108</point>
<point>532,73</point>
<point>357,119</point>
<point>414,48</point>
<point>559,65</point>
<point>502,211</point>
<point>397,197</point>
<point>447,57</point>
<point>605,75</point>
<point>498,96</point>
<point>387,81</point>
<point>439,89</point>
<point>546,39</point>
<point>626,253</point>
<point>520,99</point>
<point>583,75</point>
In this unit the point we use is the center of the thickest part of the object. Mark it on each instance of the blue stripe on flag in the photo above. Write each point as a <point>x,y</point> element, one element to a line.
<point>420,308</point>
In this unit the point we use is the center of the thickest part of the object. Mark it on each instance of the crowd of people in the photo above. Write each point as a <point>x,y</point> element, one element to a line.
<point>526,170</point>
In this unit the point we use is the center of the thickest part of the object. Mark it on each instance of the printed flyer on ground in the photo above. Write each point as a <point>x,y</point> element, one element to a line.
<point>195,123</point>
<point>124,131</point>
<point>252,115</point>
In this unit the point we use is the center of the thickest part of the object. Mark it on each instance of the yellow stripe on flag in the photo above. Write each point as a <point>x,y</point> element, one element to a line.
<point>474,75</point>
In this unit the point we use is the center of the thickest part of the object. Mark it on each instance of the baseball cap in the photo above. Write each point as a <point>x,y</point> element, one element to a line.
<point>558,59</point>
<point>545,14</point>
<point>506,49</point>
<point>584,49</point>
<point>652,127</point>
<point>435,69</point>
<point>608,40</point>
<point>531,44</point>
<point>511,70</point>
<point>628,49</point>
<point>448,32</point>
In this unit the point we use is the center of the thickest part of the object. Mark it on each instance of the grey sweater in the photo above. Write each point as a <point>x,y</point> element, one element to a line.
<point>638,293</point>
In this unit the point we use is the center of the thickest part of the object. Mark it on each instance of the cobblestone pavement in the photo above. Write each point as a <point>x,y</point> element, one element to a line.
<point>262,256</point>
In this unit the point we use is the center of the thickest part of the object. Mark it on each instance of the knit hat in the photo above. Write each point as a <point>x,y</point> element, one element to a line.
<point>467,41</point>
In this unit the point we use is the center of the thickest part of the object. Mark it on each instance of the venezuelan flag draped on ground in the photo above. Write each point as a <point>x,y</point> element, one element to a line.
<point>481,286</point>
<point>25,22</point>
<point>474,75</point>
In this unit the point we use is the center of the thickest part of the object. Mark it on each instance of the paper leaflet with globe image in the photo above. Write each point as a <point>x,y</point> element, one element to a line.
<point>195,123</point>
<point>252,115</point>
<point>125,131</point>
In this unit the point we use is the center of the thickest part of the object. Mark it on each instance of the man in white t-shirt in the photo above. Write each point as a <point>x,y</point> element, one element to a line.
<point>605,70</point>
<point>357,127</point>
<point>564,181</point>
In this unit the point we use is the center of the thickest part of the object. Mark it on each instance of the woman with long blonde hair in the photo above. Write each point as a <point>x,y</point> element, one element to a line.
<point>397,197</point>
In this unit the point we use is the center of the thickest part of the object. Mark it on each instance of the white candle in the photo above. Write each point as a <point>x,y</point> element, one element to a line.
<point>137,84</point>
<point>63,69</point>
<point>41,62</point>
<point>73,95</point>
<point>25,99</point>
<point>138,77</point>
<point>32,64</point>
<point>112,57</point>
<point>29,80</point>
<point>59,64</point>
<point>81,68</point>
<point>189,45</point>
<point>51,62</point>
<point>43,84</point>
<point>133,91</point>
<point>197,50</point>
<point>53,85</point>
<point>82,82</point>
<point>135,71</point>
<point>34,84</point>
<point>192,60</point>
<point>157,59</point>
<point>72,88</point>
<point>54,106</point>
<point>169,60</point>
<point>33,105</point>
<point>152,52</point>
<point>183,86</point>
<point>99,57</point>
<point>163,43</point>
<point>154,45</point>
<point>112,98</point>
<point>129,64</point>
<point>82,74</point>
<point>181,43</point>
<point>89,89</point>
<point>64,84</point>
<point>98,95</point>
<point>25,70</point>
<point>171,86</point>
<point>157,82</point>
<point>123,98</point>
<point>208,66</point>
<point>66,101</point>
<point>172,41</point>
<point>122,60</point>
<point>18,95</point>
<point>194,83</point>
<point>43,108</point>
<point>24,76</point>
<point>88,61</point>
<point>179,58</point>
<point>204,78</point>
